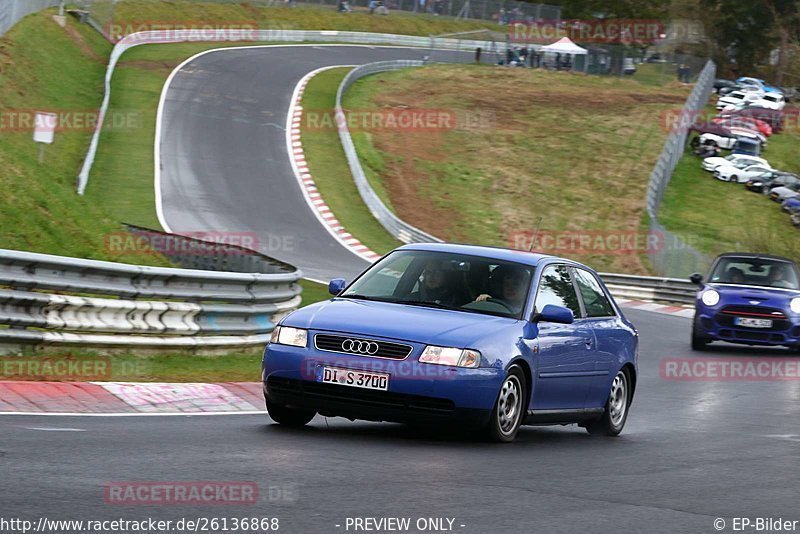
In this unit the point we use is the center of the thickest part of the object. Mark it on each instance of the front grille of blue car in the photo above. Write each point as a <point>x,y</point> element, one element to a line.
<point>727,315</point>
<point>362,346</point>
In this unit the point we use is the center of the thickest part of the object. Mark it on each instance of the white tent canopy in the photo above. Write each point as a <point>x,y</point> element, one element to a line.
<point>564,46</point>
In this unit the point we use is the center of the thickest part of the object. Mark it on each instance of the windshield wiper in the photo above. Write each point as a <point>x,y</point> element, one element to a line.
<point>425,303</point>
<point>362,297</point>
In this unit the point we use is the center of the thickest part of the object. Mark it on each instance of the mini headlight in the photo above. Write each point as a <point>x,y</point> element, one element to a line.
<point>795,305</point>
<point>451,356</point>
<point>710,297</point>
<point>287,335</point>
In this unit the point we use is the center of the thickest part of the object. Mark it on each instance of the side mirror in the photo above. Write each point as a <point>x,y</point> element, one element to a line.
<point>336,286</point>
<point>696,279</point>
<point>554,314</point>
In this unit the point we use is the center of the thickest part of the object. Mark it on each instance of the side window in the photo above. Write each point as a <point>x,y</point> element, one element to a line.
<point>594,298</point>
<point>555,287</point>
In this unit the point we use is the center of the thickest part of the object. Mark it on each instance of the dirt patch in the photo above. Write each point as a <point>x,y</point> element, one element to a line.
<point>81,43</point>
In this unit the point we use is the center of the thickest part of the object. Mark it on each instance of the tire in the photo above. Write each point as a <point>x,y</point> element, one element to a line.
<point>734,179</point>
<point>291,417</point>
<point>698,342</point>
<point>615,415</point>
<point>509,408</point>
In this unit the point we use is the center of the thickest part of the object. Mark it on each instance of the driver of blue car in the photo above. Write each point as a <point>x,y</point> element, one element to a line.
<point>508,286</point>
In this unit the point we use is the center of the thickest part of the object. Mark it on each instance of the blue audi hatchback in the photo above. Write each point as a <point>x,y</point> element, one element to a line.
<point>751,299</point>
<point>485,338</point>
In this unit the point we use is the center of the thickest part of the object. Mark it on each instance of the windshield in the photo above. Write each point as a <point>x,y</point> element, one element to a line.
<point>756,272</point>
<point>448,281</point>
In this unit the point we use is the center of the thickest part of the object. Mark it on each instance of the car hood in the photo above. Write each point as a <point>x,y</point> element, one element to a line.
<point>398,321</point>
<point>716,161</point>
<point>746,295</point>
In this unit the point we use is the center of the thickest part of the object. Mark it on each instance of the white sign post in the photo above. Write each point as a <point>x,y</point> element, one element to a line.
<point>44,131</point>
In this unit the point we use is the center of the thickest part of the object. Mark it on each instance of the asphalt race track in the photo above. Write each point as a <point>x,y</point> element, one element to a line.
<point>692,451</point>
<point>225,165</point>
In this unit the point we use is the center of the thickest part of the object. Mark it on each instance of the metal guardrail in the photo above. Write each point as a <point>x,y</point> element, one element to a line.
<point>400,229</point>
<point>672,290</point>
<point>49,299</point>
<point>245,35</point>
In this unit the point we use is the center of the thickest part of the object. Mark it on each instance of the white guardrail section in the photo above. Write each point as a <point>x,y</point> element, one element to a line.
<point>256,36</point>
<point>393,224</point>
<point>49,299</point>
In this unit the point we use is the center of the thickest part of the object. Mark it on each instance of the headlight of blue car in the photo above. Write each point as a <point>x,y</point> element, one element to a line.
<point>287,335</point>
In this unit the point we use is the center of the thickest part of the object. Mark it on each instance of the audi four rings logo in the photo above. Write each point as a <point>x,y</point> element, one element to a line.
<point>359,346</point>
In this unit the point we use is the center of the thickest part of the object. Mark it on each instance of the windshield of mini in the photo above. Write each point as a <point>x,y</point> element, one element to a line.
<point>446,281</point>
<point>756,272</point>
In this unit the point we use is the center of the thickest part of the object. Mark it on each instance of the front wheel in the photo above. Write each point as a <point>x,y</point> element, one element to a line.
<point>698,342</point>
<point>734,179</point>
<point>616,413</point>
<point>286,416</point>
<point>509,409</point>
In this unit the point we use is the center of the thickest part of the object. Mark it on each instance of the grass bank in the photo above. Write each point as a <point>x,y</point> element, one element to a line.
<point>572,150</point>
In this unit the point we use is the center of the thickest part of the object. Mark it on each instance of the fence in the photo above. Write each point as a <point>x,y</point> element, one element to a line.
<point>106,11</point>
<point>676,257</point>
<point>49,299</point>
<point>11,11</point>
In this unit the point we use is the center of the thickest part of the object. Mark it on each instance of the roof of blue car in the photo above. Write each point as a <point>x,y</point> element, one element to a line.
<point>496,253</point>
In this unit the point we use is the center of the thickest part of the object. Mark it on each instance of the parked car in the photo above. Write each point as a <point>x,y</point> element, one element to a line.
<point>737,175</point>
<point>739,121</point>
<point>761,84</point>
<point>736,160</point>
<point>484,337</point>
<point>770,101</point>
<point>791,205</point>
<point>730,100</point>
<point>740,143</point>
<point>763,183</point>
<point>784,192</point>
<point>752,299</point>
<point>773,117</point>
<point>728,84</point>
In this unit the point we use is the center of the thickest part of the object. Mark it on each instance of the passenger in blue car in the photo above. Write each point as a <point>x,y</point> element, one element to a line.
<point>436,286</point>
<point>779,277</point>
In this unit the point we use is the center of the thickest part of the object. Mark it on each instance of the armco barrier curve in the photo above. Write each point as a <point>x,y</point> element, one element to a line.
<point>58,300</point>
<point>244,35</point>
<point>400,229</point>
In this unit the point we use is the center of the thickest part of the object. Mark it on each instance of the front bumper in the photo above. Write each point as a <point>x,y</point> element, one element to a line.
<point>719,325</point>
<point>417,392</point>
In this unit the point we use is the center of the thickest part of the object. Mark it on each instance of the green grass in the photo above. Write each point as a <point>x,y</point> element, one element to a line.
<point>136,14</point>
<point>328,165</point>
<point>575,150</point>
<point>715,216</point>
<point>43,68</point>
<point>241,366</point>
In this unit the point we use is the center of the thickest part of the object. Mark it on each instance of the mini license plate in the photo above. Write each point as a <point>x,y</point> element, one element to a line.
<point>358,379</point>
<point>753,323</point>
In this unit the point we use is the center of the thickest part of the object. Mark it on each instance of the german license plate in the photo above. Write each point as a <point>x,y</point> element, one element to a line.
<point>752,323</point>
<point>357,379</point>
